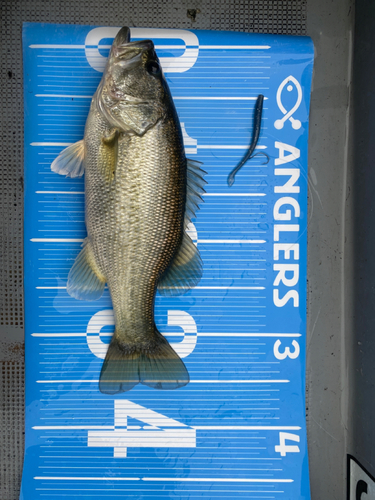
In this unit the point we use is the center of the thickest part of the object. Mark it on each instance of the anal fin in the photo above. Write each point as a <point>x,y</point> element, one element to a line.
<point>185,271</point>
<point>85,281</point>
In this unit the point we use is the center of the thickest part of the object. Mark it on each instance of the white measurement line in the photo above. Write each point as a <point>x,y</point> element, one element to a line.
<point>55,46</point>
<point>176,98</point>
<point>72,427</point>
<point>197,287</point>
<point>261,381</point>
<point>77,240</point>
<point>217,98</point>
<point>217,480</point>
<point>54,478</point>
<point>51,143</point>
<point>136,490</point>
<point>62,95</point>
<point>183,47</point>
<point>231,241</point>
<point>200,334</point>
<point>197,427</point>
<point>246,427</point>
<point>234,194</point>
<point>59,192</point>
<point>51,287</point>
<point>176,479</point>
<point>49,335</point>
<point>229,287</point>
<point>205,194</point>
<point>199,146</point>
<point>249,334</point>
<point>216,146</point>
<point>57,240</point>
<point>237,47</point>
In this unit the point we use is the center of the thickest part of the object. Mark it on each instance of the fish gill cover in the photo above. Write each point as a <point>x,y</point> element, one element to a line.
<point>238,427</point>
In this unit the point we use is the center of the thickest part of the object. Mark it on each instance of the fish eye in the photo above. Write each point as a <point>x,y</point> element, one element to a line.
<point>153,68</point>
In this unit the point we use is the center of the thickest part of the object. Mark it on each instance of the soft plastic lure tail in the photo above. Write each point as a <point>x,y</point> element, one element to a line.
<point>256,132</point>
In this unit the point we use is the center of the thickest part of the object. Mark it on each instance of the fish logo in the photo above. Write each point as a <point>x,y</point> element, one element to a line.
<point>288,115</point>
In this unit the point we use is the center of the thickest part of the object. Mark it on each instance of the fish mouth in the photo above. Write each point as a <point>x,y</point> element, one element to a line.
<point>122,37</point>
<point>128,54</point>
<point>131,52</point>
<point>122,42</point>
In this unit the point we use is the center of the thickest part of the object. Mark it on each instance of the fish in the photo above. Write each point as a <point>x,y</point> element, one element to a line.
<point>141,192</point>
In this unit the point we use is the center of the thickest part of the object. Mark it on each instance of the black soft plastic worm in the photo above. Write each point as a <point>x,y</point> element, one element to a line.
<point>256,132</point>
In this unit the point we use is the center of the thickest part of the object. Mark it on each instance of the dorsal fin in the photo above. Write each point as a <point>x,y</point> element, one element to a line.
<point>186,268</point>
<point>195,188</point>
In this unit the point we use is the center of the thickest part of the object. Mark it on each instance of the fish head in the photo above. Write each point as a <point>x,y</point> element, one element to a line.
<point>133,94</point>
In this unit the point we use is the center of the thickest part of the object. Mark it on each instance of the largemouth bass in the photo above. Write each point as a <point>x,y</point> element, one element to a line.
<point>140,194</point>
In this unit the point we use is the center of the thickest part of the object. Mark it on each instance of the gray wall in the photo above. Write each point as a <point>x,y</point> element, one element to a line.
<point>330,249</point>
<point>362,400</point>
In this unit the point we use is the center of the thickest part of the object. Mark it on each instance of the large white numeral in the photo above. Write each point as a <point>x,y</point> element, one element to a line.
<point>177,64</point>
<point>189,142</point>
<point>175,318</point>
<point>287,353</point>
<point>93,331</point>
<point>283,448</point>
<point>185,321</point>
<point>192,232</point>
<point>159,432</point>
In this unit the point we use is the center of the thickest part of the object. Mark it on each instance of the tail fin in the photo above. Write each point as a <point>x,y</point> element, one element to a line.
<point>158,367</point>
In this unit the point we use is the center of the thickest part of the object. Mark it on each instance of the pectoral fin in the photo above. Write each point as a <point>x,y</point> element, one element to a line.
<point>108,153</point>
<point>70,160</point>
<point>85,281</point>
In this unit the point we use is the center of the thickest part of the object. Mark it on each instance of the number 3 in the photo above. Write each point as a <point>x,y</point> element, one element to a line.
<point>286,353</point>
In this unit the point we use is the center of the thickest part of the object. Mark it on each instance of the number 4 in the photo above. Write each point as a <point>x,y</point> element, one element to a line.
<point>160,431</point>
<point>283,448</point>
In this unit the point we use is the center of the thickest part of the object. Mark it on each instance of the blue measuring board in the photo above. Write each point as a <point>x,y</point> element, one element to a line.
<point>237,430</point>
